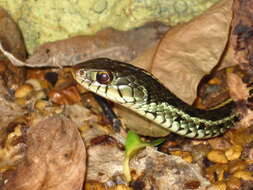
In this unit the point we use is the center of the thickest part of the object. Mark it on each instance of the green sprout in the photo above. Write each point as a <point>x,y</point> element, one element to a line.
<point>132,146</point>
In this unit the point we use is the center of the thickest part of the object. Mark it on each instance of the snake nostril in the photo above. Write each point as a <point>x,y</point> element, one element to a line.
<point>81,72</point>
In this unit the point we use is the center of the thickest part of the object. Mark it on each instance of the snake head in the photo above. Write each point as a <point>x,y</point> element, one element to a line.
<point>111,79</point>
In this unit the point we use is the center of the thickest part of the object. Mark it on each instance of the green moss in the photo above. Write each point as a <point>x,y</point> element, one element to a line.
<point>43,21</point>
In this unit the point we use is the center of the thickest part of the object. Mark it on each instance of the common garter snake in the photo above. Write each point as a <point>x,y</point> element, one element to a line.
<point>141,92</point>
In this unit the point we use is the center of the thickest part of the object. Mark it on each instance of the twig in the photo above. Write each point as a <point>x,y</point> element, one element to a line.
<point>12,59</point>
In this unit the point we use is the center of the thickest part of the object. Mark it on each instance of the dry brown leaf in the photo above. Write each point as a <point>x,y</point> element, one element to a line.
<point>150,167</point>
<point>10,36</point>
<point>183,57</point>
<point>55,158</point>
<point>105,161</point>
<point>241,37</point>
<point>238,90</point>
<point>11,39</point>
<point>146,58</point>
<point>123,46</point>
<point>190,51</point>
<point>77,49</point>
<point>157,170</point>
<point>241,40</point>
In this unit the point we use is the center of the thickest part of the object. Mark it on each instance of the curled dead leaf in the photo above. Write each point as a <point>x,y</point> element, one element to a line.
<point>55,158</point>
<point>190,51</point>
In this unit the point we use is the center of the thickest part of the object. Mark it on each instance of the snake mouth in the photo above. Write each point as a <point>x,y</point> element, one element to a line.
<point>109,84</point>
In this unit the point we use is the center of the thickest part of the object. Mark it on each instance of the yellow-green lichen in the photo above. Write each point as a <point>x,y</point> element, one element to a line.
<point>44,20</point>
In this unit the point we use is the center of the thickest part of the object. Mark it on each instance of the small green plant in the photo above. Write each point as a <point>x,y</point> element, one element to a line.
<point>132,146</point>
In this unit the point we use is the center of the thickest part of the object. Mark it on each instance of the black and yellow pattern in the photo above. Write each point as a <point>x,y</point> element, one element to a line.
<point>141,92</point>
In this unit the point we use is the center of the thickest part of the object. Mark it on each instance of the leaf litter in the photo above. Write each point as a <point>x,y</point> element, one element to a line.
<point>182,57</point>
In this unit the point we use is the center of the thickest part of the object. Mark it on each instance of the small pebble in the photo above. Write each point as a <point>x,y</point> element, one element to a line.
<point>93,185</point>
<point>234,152</point>
<point>214,81</point>
<point>35,83</point>
<point>183,154</point>
<point>23,91</point>
<point>21,101</point>
<point>41,104</point>
<point>245,175</point>
<point>233,183</point>
<point>192,184</point>
<point>217,156</point>
<point>218,186</point>
<point>57,97</point>
<point>120,187</point>
<point>40,95</point>
<point>68,95</point>
<point>237,165</point>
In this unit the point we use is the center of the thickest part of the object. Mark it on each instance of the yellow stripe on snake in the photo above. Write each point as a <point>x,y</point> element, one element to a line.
<point>141,92</point>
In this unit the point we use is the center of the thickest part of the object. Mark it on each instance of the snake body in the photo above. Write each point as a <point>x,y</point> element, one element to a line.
<point>141,92</point>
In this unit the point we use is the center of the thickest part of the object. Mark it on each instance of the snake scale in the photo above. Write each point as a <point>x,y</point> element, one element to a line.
<point>141,92</point>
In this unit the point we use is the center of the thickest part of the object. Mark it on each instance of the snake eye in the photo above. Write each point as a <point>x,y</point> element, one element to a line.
<point>104,77</point>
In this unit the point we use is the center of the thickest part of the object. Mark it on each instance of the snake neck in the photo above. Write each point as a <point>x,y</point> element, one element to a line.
<point>183,123</point>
